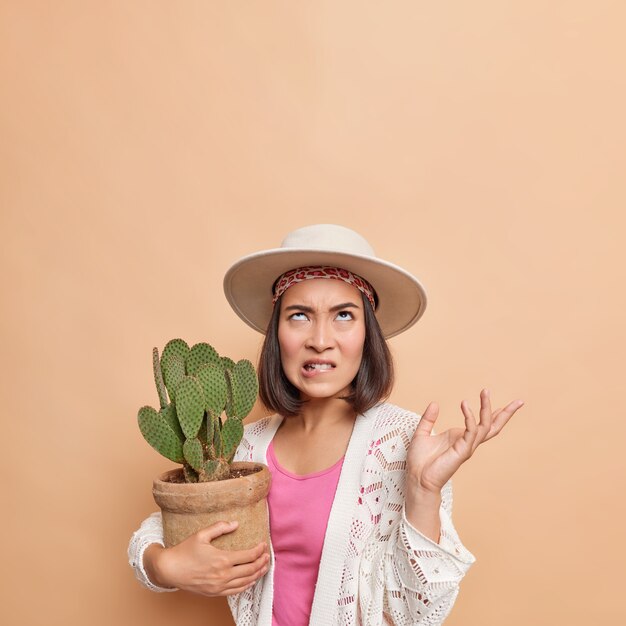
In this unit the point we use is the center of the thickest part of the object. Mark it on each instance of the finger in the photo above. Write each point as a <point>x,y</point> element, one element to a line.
<point>471,429</point>
<point>206,535</point>
<point>239,557</point>
<point>245,584</point>
<point>485,407</point>
<point>470,420</point>
<point>236,586</point>
<point>484,424</point>
<point>502,416</point>
<point>243,581</point>
<point>250,569</point>
<point>232,592</point>
<point>428,419</point>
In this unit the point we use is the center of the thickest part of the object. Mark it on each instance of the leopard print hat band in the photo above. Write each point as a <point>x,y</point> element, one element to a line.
<point>299,274</point>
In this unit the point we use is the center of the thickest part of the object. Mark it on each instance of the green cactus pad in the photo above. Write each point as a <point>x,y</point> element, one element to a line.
<point>207,434</point>
<point>232,432</point>
<point>244,388</point>
<point>192,449</point>
<point>199,355</point>
<point>210,466</point>
<point>173,372</point>
<point>202,433</point>
<point>210,451</point>
<point>216,470</point>
<point>175,347</point>
<point>190,405</point>
<point>169,413</point>
<point>213,383</point>
<point>158,378</point>
<point>210,430</point>
<point>217,440</point>
<point>227,363</point>
<point>158,433</point>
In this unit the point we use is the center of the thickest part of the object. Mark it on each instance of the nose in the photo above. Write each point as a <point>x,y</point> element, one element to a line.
<point>320,337</point>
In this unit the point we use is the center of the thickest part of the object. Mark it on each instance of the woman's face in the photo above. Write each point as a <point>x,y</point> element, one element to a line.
<point>321,332</point>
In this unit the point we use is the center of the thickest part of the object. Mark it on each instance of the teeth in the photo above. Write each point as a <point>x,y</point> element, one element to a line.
<point>318,366</point>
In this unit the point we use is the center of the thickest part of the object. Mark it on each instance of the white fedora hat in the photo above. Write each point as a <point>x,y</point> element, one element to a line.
<point>249,281</point>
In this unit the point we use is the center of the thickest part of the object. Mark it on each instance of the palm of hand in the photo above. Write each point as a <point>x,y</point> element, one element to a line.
<point>433,459</point>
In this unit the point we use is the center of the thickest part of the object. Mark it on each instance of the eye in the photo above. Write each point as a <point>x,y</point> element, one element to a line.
<point>292,316</point>
<point>345,313</point>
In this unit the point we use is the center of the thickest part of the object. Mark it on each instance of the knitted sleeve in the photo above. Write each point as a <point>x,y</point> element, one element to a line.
<point>404,578</point>
<point>421,577</point>
<point>150,531</point>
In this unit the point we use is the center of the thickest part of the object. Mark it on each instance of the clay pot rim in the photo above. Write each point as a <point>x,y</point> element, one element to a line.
<point>227,485</point>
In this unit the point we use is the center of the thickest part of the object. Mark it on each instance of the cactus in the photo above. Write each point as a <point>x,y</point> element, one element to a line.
<point>195,386</point>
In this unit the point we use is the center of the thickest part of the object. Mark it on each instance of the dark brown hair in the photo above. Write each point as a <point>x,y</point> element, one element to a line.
<point>372,383</point>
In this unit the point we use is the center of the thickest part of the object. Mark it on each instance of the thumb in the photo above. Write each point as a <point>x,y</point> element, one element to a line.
<point>215,530</point>
<point>428,419</point>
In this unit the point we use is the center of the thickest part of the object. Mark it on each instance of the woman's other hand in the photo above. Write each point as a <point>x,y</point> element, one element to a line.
<point>197,566</point>
<point>433,459</point>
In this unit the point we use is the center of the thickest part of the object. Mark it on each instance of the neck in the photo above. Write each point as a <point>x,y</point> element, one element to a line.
<point>321,413</point>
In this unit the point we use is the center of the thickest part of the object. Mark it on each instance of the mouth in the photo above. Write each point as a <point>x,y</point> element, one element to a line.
<point>311,368</point>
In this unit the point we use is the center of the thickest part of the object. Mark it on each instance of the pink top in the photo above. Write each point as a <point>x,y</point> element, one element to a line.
<point>299,506</point>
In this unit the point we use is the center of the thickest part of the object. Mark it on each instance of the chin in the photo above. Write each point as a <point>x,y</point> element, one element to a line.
<point>321,394</point>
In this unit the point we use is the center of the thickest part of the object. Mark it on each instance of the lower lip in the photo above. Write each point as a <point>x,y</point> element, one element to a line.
<point>315,372</point>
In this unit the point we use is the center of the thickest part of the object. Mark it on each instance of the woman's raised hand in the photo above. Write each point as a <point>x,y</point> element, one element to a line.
<point>433,459</point>
<point>197,566</point>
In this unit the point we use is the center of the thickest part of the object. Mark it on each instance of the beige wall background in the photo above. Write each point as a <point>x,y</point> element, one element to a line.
<point>147,145</point>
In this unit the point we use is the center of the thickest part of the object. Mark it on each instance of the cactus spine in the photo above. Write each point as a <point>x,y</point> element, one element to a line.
<point>195,386</point>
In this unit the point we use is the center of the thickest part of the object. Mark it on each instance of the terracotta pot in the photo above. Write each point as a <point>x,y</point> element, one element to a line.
<point>189,507</point>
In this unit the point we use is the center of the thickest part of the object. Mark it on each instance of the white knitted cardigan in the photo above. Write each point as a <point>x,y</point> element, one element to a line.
<point>375,567</point>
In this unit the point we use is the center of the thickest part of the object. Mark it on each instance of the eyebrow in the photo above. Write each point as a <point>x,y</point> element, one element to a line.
<point>308,309</point>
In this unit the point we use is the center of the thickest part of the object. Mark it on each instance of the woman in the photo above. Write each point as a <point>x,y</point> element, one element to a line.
<point>360,501</point>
